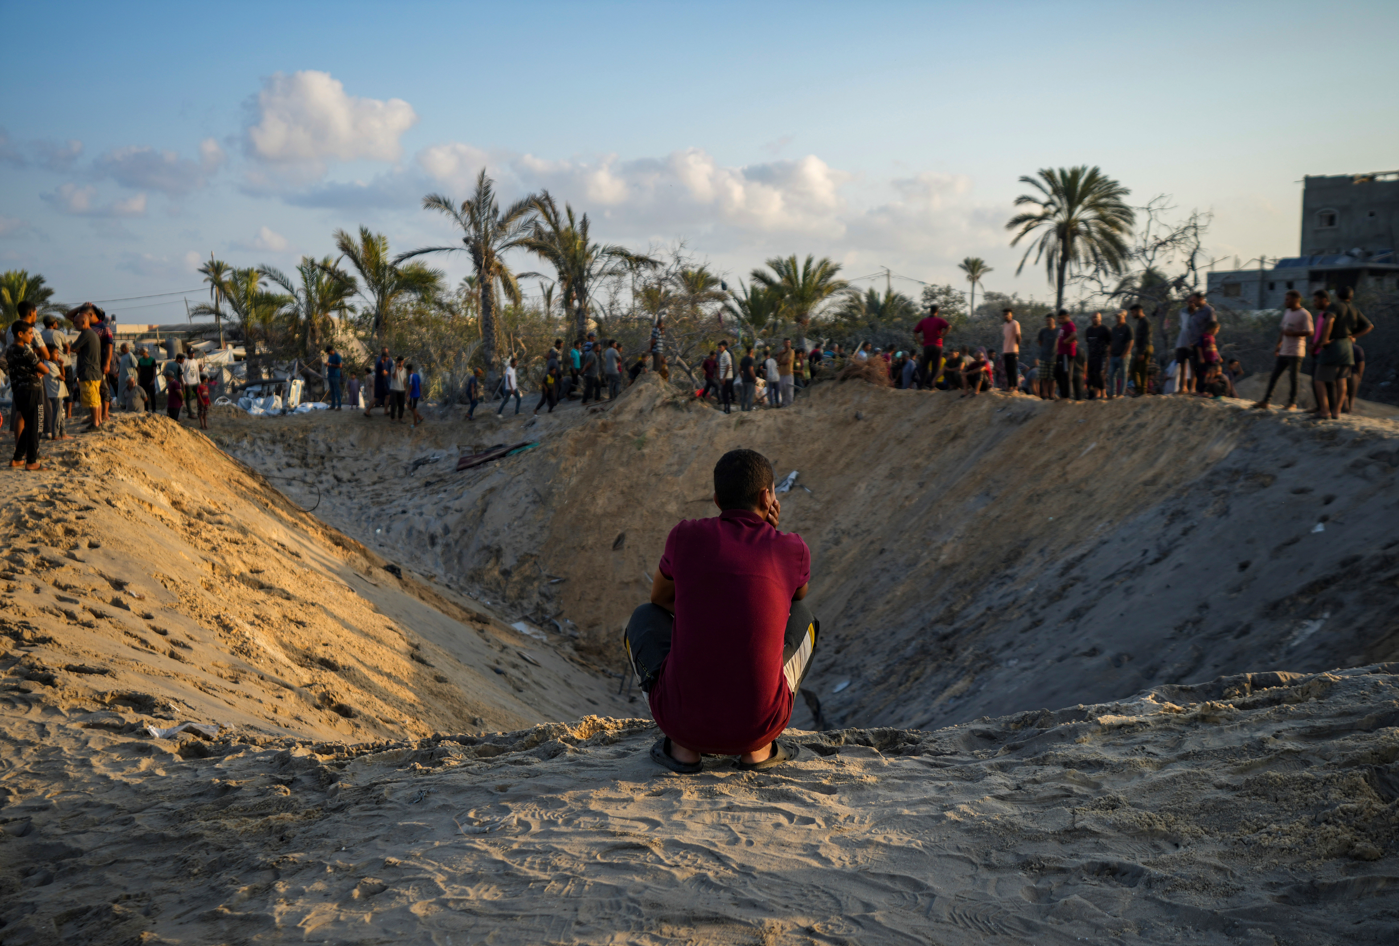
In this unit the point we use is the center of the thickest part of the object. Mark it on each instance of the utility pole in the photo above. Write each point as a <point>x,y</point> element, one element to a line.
<point>888,285</point>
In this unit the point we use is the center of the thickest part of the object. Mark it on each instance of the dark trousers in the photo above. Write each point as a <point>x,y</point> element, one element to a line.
<point>929,365</point>
<point>1063,370</point>
<point>26,408</point>
<point>1096,379</point>
<point>150,397</point>
<point>397,401</point>
<point>546,396</point>
<point>1292,364</point>
<point>647,643</point>
<point>592,388</point>
<point>726,391</point>
<point>1139,372</point>
<point>333,383</point>
<point>614,386</point>
<point>505,399</point>
<point>1012,362</point>
<point>709,385</point>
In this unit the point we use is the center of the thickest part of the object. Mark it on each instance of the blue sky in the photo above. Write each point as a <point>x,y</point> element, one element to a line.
<point>142,137</point>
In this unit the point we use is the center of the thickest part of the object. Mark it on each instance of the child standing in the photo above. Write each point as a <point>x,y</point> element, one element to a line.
<point>415,394</point>
<point>201,393</point>
<point>1209,351</point>
<point>55,390</point>
<point>174,396</point>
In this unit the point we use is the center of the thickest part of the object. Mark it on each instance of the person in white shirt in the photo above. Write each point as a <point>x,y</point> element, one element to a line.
<point>773,379</point>
<point>511,386</point>
<point>1291,346</point>
<point>726,376</point>
<point>190,377</point>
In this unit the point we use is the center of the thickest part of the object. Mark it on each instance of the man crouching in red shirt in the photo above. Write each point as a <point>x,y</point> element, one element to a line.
<point>725,642</point>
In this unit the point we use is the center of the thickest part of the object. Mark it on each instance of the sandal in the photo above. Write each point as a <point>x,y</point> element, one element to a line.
<point>781,752</point>
<point>660,753</point>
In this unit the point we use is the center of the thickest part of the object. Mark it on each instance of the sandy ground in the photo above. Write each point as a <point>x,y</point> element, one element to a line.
<point>970,557</point>
<point>1254,810</point>
<point>1006,738</point>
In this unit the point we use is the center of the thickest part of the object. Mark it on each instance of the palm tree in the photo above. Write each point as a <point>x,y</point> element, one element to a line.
<point>323,289</point>
<point>384,282</point>
<point>487,233</point>
<point>1083,218</point>
<point>562,239</point>
<point>873,309</point>
<point>754,308</point>
<point>256,309</point>
<point>18,286</point>
<point>803,287</point>
<point>698,288</point>
<point>215,273</point>
<point>975,267</point>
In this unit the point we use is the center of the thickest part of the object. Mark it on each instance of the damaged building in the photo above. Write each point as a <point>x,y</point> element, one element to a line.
<point>1349,222</point>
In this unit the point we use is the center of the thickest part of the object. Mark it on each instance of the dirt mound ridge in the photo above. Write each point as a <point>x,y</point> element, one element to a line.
<point>1258,809</point>
<point>970,556</point>
<point>148,579</point>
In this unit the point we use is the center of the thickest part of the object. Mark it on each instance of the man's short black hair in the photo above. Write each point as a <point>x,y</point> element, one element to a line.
<point>740,477</point>
<point>1063,313</point>
<point>932,310</point>
<point>1346,293</point>
<point>25,307</point>
<point>1136,307</point>
<point>20,325</point>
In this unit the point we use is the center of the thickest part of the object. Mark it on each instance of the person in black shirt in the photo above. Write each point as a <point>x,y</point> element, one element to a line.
<point>88,349</point>
<point>1099,337</point>
<point>1142,352</point>
<point>1119,351</point>
<point>27,389</point>
<point>747,380</point>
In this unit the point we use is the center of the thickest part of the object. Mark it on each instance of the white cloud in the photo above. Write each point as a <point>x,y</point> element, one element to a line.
<point>453,165</point>
<point>166,267</point>
<point>140,167</point>
<point>270,240</point>
<point>684,189</point>
<point>81,201</point>
<point>53,155</point>
<point>305,120</point>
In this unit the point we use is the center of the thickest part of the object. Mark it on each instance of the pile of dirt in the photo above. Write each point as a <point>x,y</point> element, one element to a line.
<point>149,579</point>
<point>970,557</point>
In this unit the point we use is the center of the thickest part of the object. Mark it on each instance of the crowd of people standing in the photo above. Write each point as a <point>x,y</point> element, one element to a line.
<point>52,372</point>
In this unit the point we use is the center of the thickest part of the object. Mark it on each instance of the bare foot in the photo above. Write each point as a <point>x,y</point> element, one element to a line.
<point>33,467</point>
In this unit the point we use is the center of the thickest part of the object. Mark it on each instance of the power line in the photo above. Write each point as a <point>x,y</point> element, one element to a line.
<point>154,295</point>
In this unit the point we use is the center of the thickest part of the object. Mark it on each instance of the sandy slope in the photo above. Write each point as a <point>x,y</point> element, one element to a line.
<point>970,557</point>
<point>149,576</point>
<point>1253,810</point>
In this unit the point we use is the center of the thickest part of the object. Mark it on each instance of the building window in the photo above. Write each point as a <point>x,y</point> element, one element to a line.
<point>1289,284</point>
<point>1272,286</point>
<point>1233,289</point>
<point>1326,219</point>
<point>1371,215</point>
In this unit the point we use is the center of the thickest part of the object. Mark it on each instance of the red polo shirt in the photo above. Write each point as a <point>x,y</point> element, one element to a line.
<point>721,689</point>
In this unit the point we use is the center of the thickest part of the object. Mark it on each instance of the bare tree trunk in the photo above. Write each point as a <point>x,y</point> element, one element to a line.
<point>490,329</point>
<point>1059,291</point>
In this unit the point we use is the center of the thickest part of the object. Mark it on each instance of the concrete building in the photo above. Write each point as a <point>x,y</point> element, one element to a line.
<point>1349,228</point>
